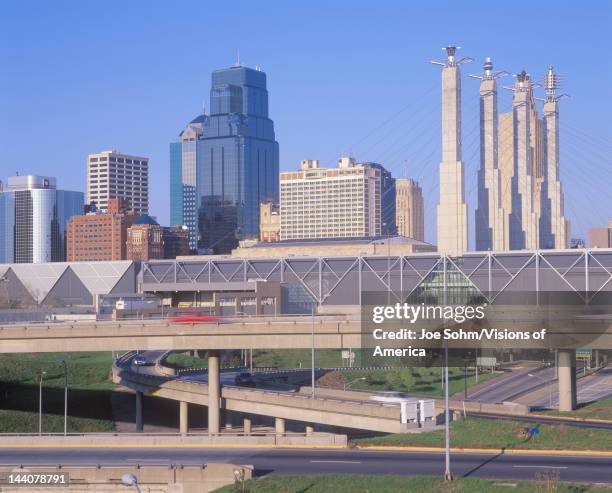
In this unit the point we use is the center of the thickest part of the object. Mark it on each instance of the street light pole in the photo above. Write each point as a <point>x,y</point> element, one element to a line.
<point>465,385</point>
<point>65,397</point>
<point>448,476</point>
<point>42,374</point>
<point>546,382</point>
<point>312,354</point>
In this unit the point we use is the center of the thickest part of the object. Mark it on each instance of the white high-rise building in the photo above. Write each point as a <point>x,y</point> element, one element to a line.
<point>111,174</point>
<point>452,209</point>
<point>490,225</point>
<point>337,202</point>
<point>554,227</point>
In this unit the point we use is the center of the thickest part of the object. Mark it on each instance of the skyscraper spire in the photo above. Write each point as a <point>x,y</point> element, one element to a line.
<point>452,209</point>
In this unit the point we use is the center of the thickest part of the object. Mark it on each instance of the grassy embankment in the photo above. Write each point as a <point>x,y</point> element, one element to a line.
<point>546,483</point>
<point>498,434</point>
<point>89,392</point>
<point>593,410</point>
<point>417,381</point>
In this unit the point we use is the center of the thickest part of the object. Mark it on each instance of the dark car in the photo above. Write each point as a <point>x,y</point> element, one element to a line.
<point>245,379</point>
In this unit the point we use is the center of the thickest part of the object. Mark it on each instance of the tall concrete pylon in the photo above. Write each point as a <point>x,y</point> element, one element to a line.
<point>554,226</point>
<point>452,209</point>
<point>523,226</point>
<point>489,215</point>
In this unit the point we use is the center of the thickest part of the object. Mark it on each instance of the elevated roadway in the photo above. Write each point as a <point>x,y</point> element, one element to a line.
<point>359,414</point>
<point>331,331</point>
<point>285,332</point>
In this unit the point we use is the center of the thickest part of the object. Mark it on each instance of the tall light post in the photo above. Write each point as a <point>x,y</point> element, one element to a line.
<point>312,353</point>
<point>546,382</point>
<point>65,396</point>
<point>448,476</point>
<point>42,374</point>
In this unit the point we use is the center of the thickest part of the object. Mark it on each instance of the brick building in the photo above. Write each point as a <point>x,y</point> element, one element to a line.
<point>269,222</point>
<point>147,240</point>
<point>100,236</point>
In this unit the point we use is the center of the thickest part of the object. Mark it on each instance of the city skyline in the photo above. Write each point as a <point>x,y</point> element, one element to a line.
<point>374,136</point>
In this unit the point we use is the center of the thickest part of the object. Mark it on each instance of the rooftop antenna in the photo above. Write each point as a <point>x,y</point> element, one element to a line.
<point>552,82</point>
<point>451,60</point>
<point>488,73</point>
<point>238,64</point>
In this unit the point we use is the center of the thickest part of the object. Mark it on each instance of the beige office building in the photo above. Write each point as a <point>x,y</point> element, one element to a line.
<point>337,202</point>
<point>111,175</point>
<point>269,222</point>
<point>409,209</point>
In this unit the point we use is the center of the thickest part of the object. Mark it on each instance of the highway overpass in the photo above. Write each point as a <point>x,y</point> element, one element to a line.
<point>327,410</point>
<point>327,331</point>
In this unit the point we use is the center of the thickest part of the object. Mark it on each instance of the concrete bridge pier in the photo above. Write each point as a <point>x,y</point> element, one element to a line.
<point>279,425</point>
<point>183,417</point>
<point>247,424</point>
<point>567,379</point>
<point>214,392</point>
<point>138,411</point>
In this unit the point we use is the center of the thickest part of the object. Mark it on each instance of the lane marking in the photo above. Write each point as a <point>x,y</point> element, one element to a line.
<point>336,461</point>
<point>546,467</point>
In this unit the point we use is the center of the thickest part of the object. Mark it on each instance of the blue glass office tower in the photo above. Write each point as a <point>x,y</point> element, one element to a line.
<point>184,159</point>
<point>236,161</point>
<point>33,219</point>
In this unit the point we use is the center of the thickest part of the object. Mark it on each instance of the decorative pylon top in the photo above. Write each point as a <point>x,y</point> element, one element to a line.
<point>451,60</point>
<point>488,73</point>
<point>552,82</point>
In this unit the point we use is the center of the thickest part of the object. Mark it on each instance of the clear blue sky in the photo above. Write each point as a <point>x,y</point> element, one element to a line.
<point>82,76</point>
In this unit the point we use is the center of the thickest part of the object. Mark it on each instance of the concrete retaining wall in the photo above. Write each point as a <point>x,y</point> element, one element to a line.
<point>187,479</point>
<point>170,440</point>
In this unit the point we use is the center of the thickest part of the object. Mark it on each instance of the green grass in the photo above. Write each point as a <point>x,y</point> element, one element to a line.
<point>291,358</point>
<point>296,358</point>
<point>594,410</point>
<point>417,381</point>
<point>405,484</point>
<point>88,396</point>
<point>484,433</point>
<point>184,360</point>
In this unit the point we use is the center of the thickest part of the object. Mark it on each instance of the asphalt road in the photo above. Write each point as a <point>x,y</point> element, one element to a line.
<point>590,388</point>
<point>314,461</point>
<point>517,382</point>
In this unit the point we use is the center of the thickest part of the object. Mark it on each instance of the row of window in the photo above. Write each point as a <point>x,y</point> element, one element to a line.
<point>113,159</point>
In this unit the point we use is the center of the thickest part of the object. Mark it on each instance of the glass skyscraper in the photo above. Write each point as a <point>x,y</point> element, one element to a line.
<point>234,154</point>
<point>33,219</point>
<point>183,179</point>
